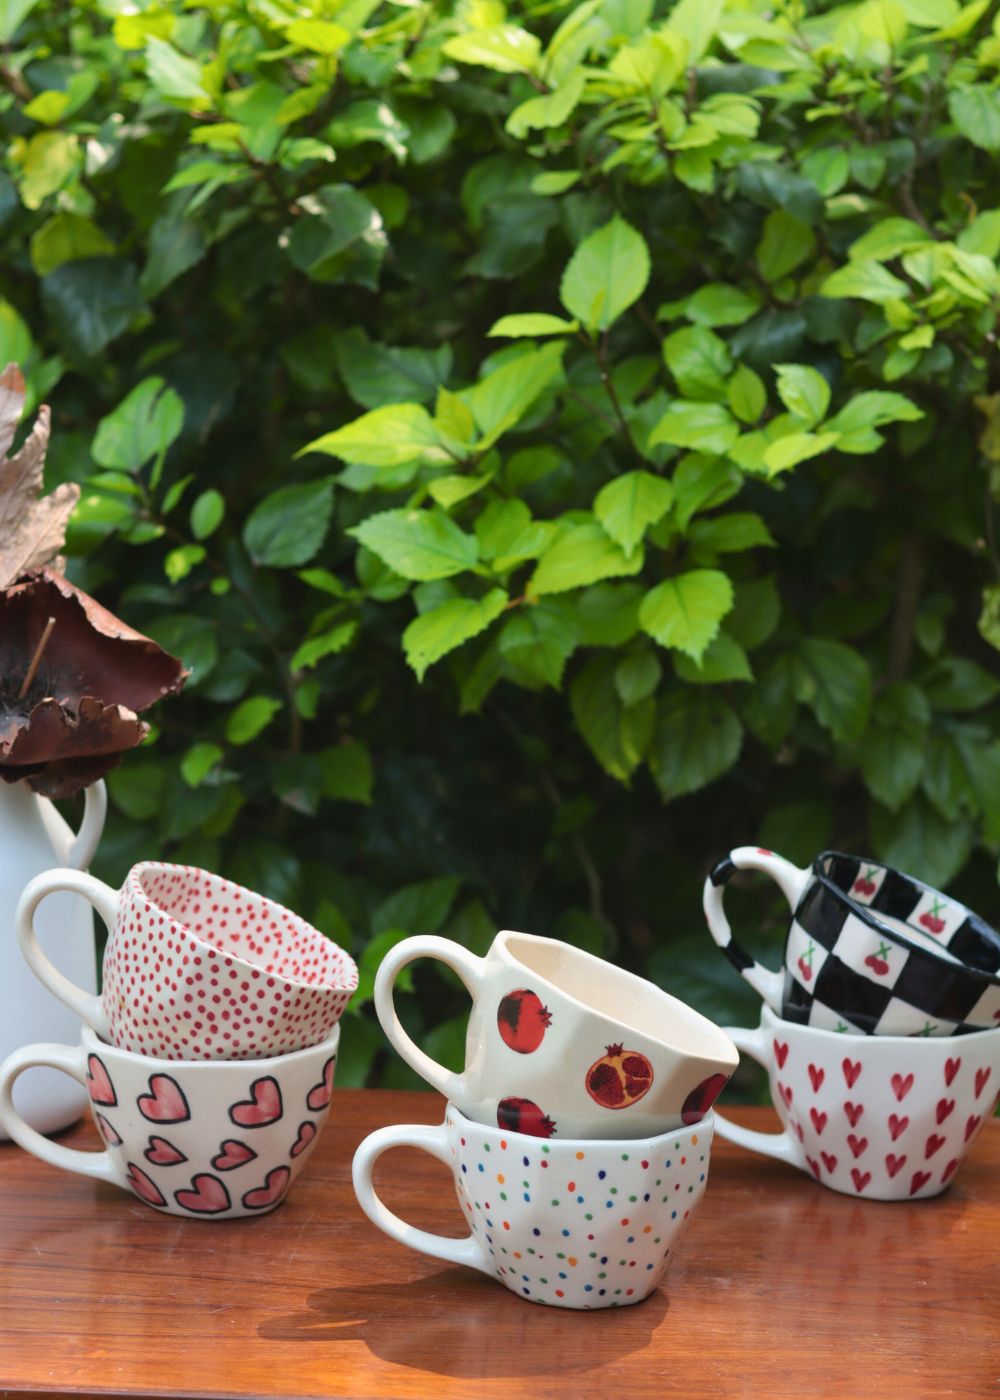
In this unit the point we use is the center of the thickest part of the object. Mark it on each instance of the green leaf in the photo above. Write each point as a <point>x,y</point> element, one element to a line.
<point>918,839</point>
<point>340,239</point>
<point>699,361</point>
<point>507,534</point>
<point>616,740</point>
<point>141,428</point>
<point>91,303</point>
<point>502,47</point>
<point>180,561</point>
<point>729,534</point>
<point>608,614</point>
<point>606,274</point>
<point>834,681</point>
<point>347,772</point>
<point>746,394</point>
<point>64,238</point>
<point>954,683</point>
<point>250,718</point>
<point>172,74</point>
<point>582,554</point>
<point>551,110</point>
<point>328,643</point>
<point>804,392</point>
<point>709,427</point>
<point>629,504</point>
<point>207,514</point>
<point>785,245</point>
<point>386,437</point>
<point>891,762</point>
<point>756,612</point>
<point>419,908</point>
<point>888,238</point>
<point>637,676</point>
<point>286,528</point>
<point>873,409</point>
<point>501,400</point>
<point>317,35</point>
<point>976,113</point>
<point>532,323</point>
<point>175,245</point>
<point>437,632</point>
<point>199,761</point>
<point>13,13</point>
<point>724,660</point>
<point>538,640</point>
<point>792,448</point>
<point>697,22</point>
<point>866,279</point>
<point>718,304</point>
<point>696,739</point>
<point>418,544</point>
<point>684,612</point>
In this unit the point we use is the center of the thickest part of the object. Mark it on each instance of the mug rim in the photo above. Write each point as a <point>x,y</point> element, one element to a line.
<point>769,1015</point>
<point>864,913</point>
<point>92,1043</point>
<point>705,1125</point>
<point>133,884</point>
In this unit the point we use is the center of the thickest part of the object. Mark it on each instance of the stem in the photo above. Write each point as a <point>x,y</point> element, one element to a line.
<point>601,353</point>
<point>908,581</point>
<point>36,659</point>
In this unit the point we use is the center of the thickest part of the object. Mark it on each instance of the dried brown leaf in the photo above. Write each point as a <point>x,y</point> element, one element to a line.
<point>11,405</point>
<point>32,529</point>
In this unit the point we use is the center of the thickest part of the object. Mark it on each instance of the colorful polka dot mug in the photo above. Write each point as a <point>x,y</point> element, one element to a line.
<point>196,967</point>
<point>563,1044</point>
<point>201,1139</point>
<point>577,1224</point>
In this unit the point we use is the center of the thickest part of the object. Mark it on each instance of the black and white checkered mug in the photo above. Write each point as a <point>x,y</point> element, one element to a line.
<point>870,950</point>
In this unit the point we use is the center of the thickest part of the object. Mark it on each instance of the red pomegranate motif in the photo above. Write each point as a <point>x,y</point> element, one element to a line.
<point>700,1100</point>
<point>523,1116</point>
<point>522,1020</point>
<point>620,1078</point>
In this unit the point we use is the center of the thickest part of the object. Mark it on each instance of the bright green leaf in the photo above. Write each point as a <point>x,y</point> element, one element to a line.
<point>685,611</point>
<point>436,633</point>
<point>606,274</point>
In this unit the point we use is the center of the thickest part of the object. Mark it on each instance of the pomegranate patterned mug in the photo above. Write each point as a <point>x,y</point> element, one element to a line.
<point>202,1139</point>
<point>561,1043</point>
<point>576,1224</point>
<point>884,1118</point>
<point>196,967</point>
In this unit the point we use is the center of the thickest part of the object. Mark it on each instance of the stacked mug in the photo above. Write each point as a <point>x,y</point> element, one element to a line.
<point>881,1032</point>
<point>578,1134</point>
<point>209,1055</point>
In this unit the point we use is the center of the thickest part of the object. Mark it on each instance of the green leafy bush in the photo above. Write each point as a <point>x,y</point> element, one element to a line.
<point>563,443</point>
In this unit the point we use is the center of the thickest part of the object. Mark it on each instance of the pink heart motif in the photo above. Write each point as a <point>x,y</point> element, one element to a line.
<point>780,1053</point>
<point>901,1086</point>
<point>206,1195</point>
<point>951,1068</point>
<point>108,1133</point>
<point>99,1084</point>
<point>262,1107</point>
<point>949,1169</point>
<point>320,1094</point>
<point>307,1133</point>
<point>920,1180</point>
<point>897,1125</point>
<point>232,1154</point>
<point>163,1153</point>
<point>786,1094</point>
<point>144,1187</point>
<point>854,1112</point>
<point>934,1144</point>
<point>894,1164</point>
<point>856,1144</point>
<point>972,1125</point>
<point>829,1161</point>
<point>275,1186</point>
<point>944,1108</point>
<point>813,1166</point>
<point>851,1068</point>
<point>165,1102</point>
<point>860,1178</point>
<point>981,1077</point>
<point>818,1120</point>
<point>817,1076</point>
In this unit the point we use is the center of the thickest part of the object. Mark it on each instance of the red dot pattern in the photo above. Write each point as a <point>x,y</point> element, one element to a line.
<point>199,968</point>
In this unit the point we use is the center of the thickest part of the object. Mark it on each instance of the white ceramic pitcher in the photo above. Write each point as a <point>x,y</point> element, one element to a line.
<point>33,838</point>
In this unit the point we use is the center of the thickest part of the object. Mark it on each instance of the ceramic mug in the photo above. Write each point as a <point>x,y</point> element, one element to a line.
<point>196,967</point>
<point>561,1043</point>
<point>574,1223</point>
<point>884,1118</point>
<point>869,950</point>
<point>202,1139</point>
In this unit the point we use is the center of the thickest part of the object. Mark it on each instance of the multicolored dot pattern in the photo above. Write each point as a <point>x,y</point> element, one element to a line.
<point>578,1224</point>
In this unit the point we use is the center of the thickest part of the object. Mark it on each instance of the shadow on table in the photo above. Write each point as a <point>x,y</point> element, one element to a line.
<point>452,1323</point>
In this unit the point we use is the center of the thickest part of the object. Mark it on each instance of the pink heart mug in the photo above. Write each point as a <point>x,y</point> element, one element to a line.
<point>196,967</point>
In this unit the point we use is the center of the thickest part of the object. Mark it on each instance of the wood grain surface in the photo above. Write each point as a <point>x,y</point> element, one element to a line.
<point>780,1289</point>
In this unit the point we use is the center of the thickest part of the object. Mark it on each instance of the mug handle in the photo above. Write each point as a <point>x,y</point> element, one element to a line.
<point>469,968</point>
<point>87,1006</point>
<point>792,882</point>
<point>784,1145</point>
<point>434,1142</point>
<point>84,845</point>
<point>71,1060</point>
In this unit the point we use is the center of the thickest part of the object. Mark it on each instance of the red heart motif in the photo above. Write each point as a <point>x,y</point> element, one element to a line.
<point>897,1125</point>
<point>856,1144</point>
<point>829,1161</point>
<point>920,1179</point>
<point>818,1120</point>
<point>275,1186</point>
<point>851,1071</point>
<point>854,1112</point>
<point>319,1095</point>
<point>817,1076</point>
<point>901,1087</point>
<point>165,1102</point>
<point>307,1132</point>
<point>232,1153</point>
<point>162,1153</point>
<point>981,1077</point>
<point>142,1186</point>
<point>262,1107</point>
<point>951,1068</point>
<point>860,1178</point>
<point>945,1106</point>
<point>99,1085</point>
<point>780,1053</point>
<point>108,1133</point>
<point>949,1169</point>
<point>813,1166</point>
<point>786,1094</point>
<point>934,1144</point>
<point>206,1195</point>
<point>972,1125</point>
<point>893,1164</point>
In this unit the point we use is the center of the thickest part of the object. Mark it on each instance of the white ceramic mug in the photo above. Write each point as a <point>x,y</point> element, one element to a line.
<point>202,1139</point>
<point>562,1043</point>
<point>577,1224</point>
<point>884,1118</point>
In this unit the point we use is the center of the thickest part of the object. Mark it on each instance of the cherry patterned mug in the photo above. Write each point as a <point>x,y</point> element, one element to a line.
<point>883,1118</point>
<point>201,1139</point>
<point>196,967</point>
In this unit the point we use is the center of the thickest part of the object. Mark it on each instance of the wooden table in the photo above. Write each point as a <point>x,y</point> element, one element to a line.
<point>780,1289</point>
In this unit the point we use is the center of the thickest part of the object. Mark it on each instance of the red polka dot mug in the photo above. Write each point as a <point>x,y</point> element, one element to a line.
<point>563,1044</point>
<point>196,967</point>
